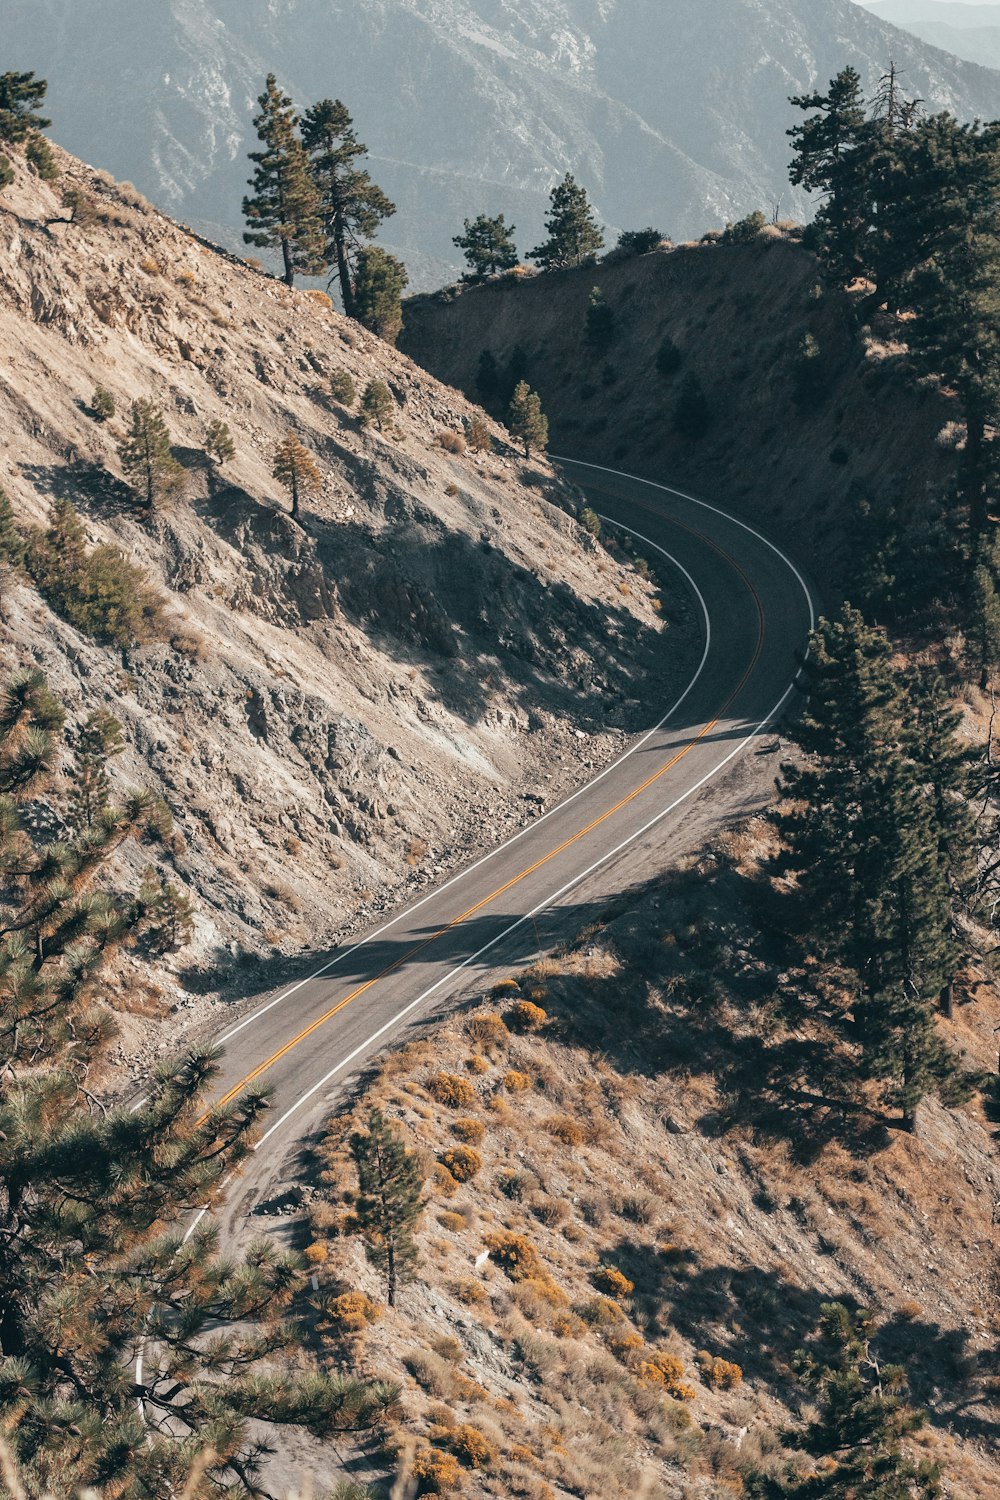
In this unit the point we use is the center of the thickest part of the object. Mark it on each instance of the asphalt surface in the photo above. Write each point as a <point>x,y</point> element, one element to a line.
<point>540,887</point>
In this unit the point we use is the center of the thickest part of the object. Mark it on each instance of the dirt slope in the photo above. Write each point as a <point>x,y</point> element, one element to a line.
<point>343,708</point>
<point>631,1132</point>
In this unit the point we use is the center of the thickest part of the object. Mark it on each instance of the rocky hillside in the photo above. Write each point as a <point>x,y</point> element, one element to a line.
<point>802,421</point>
<point>634,1216</point>
<point>675,113</point>
<point>335,710</point>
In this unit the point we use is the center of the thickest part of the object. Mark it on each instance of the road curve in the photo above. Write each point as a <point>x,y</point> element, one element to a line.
<point>543,884</point>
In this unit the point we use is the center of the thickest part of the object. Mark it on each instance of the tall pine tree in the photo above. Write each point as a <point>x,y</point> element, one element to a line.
<point>488,246</point>
<point>868,827</point>
<point>574,236</point>
<point>389,1204</point>
<point>350,206</point>
<point>859,1421</point>
<point>91,1273</point>
<point>283,212</point>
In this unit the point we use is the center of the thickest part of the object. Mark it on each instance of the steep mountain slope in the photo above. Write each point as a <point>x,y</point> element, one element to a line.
<point>968,31</point>
<point>672,112</point>
<point>338,709</point>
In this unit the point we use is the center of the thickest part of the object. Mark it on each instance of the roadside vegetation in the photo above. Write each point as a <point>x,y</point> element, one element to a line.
<point>706,1200</point>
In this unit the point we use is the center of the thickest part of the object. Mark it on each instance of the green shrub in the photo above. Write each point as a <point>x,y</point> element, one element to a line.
<point>219,444</point>
<point>6,172</point>
<point>745,231</point>
<point>590,521</point>
<point>99,592</point>
<point>377,404</point>
<point>102,404</point>
<point>342,388</point>
<point>477,434</point>
<point>11,540</point>
<point>639,241</point>
<point>668,357</point>
<point>40,158</point>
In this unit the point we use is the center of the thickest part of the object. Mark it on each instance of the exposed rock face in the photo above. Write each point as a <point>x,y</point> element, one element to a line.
<point>343,706</point>
<point>674,113</point>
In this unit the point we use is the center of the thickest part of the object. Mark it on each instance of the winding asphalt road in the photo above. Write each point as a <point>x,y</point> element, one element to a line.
<point>542,885</point>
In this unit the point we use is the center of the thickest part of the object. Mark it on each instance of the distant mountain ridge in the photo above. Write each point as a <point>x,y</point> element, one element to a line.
<point>969,31</point>
<point>671,114</point>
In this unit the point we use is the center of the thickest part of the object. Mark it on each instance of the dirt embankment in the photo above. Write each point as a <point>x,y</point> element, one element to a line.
<point>803,421</point>
<point>340,708</point>
<point>632,1223</point>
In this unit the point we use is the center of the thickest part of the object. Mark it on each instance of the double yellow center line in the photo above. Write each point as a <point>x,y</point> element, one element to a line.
<point>611,812</point>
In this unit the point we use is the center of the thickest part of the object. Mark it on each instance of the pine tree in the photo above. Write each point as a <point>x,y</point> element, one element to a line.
<point>488,246</point>
<point>982,636</point>
<point>487,376</point>
<point>862,1418</point>
<point>40,157</point>
<point>295,468</point>
<point>219,444</point>
<point>870,834</point>
<point>574,237</point>
<point>164,914</point>
<point>379,282</point>
<point>98,740</point>
<point>102,404</point>
<point>377,404</point>
<point>21,97</point>
<point>389,1205</point>
<point>145,454</point>
<point>283,211</point>
<point>351,207</point>
<point>951,210</point>
<point>692,414</point>
<point>89,1271</point>
<point>342,387</point>
<point>830,159</point>
<point>526,420</point>
<point>600,326</point>
<point>477,434</point>
<point>11,540</point>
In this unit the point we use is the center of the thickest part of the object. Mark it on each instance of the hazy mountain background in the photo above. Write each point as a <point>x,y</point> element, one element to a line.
<point>969,31</point>
<point>671,113</point>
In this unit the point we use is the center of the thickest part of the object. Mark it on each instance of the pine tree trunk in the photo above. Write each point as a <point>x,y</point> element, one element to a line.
<point>947,999</point>
<point>975,485</point>
<point>343,267</point>
<point>286,255</point>
<point>390,1291</point>
<point>295,499</point>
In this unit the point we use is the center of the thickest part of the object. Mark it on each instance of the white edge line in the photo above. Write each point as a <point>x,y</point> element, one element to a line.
<point>715,509</point>
<point>613,853</point>
<point>548,901</point>
<point>409,910</point>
